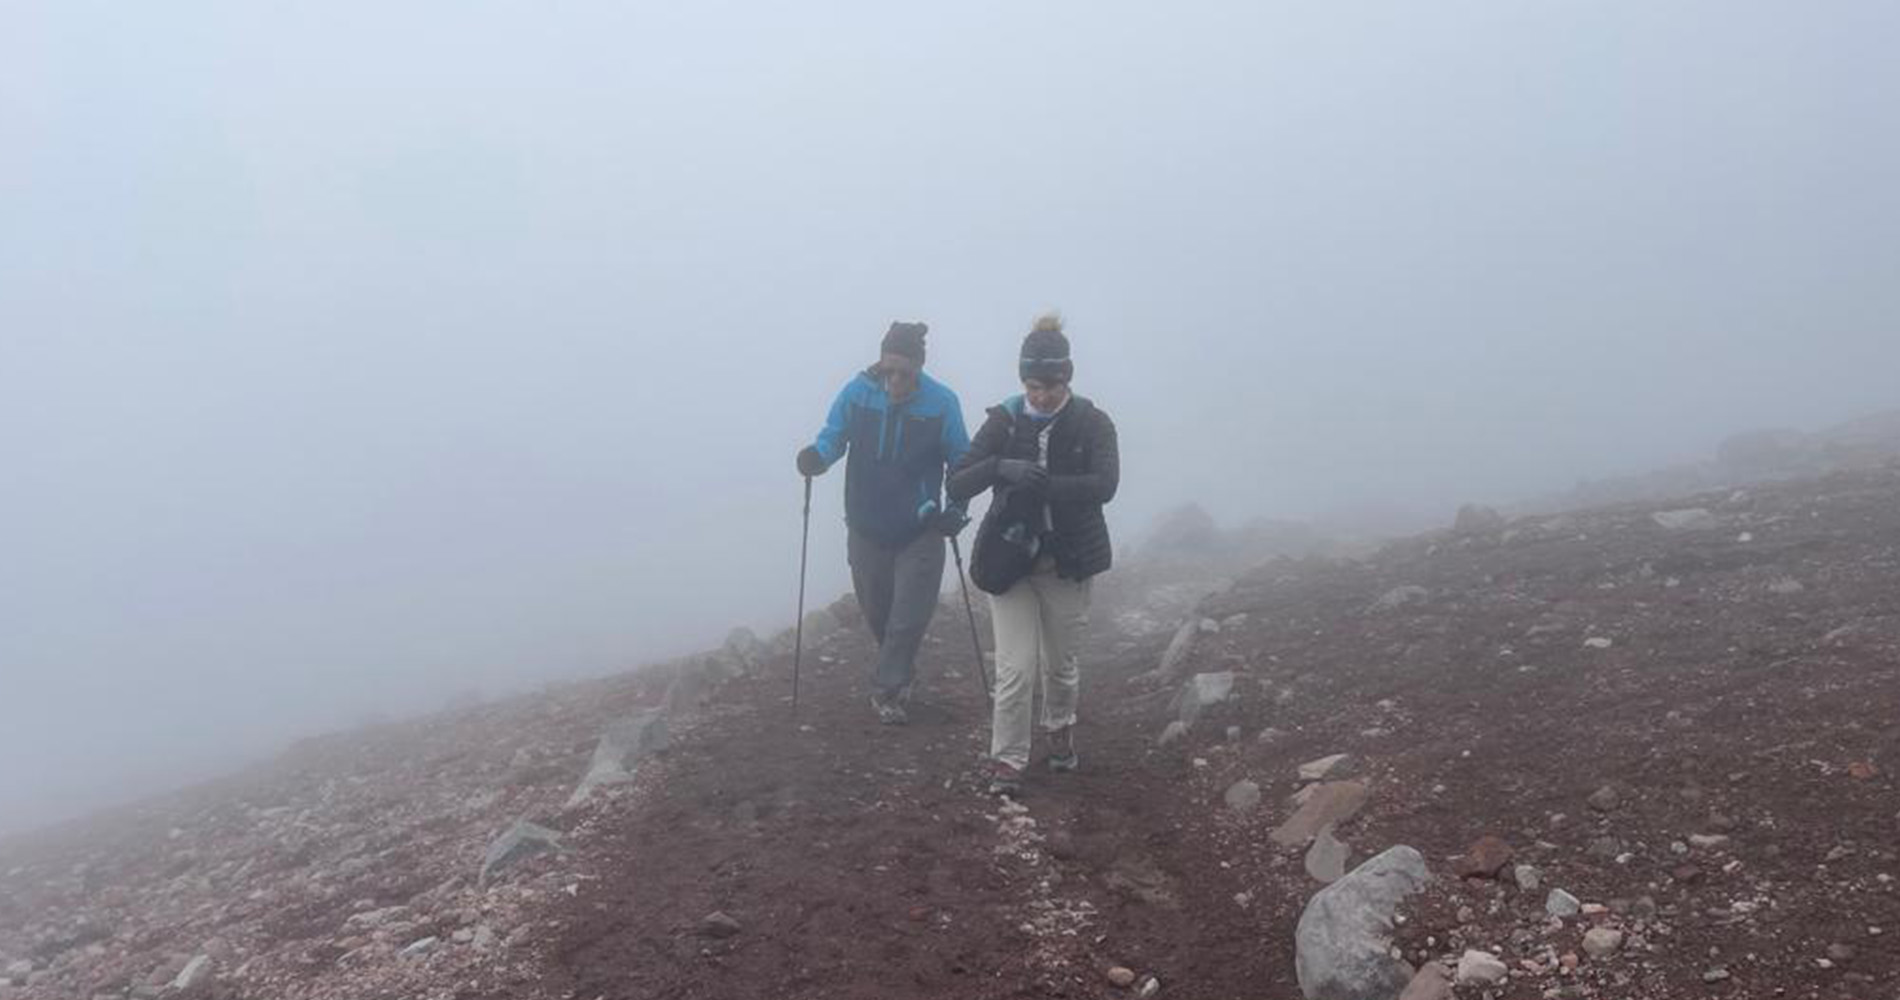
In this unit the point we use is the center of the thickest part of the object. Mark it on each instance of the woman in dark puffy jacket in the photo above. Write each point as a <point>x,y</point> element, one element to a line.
<point>1050,458</point>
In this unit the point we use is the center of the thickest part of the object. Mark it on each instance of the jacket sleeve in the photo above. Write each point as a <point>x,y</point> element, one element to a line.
<point>831,440</point>
<point>1097,485</point>
<point>976,470</point>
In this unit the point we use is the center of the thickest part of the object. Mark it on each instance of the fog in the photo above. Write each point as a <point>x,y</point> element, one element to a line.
<point>354,356</point>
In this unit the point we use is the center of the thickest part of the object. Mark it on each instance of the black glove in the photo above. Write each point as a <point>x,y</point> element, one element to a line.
<point>949,521</point>
<point>810,463</point>
<point>1023,474</point>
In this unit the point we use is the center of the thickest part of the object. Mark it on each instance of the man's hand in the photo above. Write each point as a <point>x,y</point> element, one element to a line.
<point>810,463</point>
<point>1023,474</point>
<point>949,521</point>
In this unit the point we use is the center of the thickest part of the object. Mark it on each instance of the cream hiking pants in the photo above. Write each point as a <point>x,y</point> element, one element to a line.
<point>1039,624</point>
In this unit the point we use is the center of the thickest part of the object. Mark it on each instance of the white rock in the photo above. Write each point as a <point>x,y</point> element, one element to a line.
<point>1602,942</point>
<point>1686,519</point>
<point>1318,770</point>
<point>1481,967</point>
<point>1562,904</point>
<point>195,977</point>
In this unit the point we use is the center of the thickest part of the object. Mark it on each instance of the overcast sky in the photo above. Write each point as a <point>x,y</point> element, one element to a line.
<point>356,354</point>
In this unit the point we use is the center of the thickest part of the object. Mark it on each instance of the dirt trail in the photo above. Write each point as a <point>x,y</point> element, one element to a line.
<point>864,861</point>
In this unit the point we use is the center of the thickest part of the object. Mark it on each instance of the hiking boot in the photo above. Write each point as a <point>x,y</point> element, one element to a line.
<point>1062,755</point>
<point>890,711</point>
<point>1005,779</point>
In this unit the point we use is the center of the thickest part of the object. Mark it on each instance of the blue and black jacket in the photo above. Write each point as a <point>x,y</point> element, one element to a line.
<point>898,453</point>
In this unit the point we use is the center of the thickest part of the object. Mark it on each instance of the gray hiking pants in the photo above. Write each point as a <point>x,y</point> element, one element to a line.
<point>898,590</point>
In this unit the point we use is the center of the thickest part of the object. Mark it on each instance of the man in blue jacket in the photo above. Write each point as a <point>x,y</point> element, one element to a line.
<point>901,429</point>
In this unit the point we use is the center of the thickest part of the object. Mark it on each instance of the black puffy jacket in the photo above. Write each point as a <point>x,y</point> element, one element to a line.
<point>1084,470</point>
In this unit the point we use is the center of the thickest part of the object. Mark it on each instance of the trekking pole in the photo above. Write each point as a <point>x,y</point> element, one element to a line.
<point>982,671</point>
<point>798,635</point>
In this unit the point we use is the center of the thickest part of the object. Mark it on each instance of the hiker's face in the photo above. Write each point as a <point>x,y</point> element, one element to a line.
<point>899,374</point>
<point>1045,394</point>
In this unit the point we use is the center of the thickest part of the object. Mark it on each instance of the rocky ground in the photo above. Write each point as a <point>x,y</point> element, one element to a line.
<point>1633,752</point>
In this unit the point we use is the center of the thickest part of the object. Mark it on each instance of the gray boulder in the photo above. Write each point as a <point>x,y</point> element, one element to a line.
<point>1399,597</point>
<point>1179,647</point>
<point>743,649</point>
<point>1202,691</point>
<point>194,978</point>
<point>1686,519</point>
<point>1326,859</point>
<point>1343,945</point>
<point>621,748</point>
<point>521,841</point>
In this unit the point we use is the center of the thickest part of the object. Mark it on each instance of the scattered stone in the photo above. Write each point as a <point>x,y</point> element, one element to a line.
<point>1431,983</point>
<point>1602,942</point>
<point>419,949</point>
<point>1529,879</point>
<point>1243,797</point>
<point>718,924</point>
<point>521,841</point>
<point>1485,859</point>
<point>1477,519</point>
<point>1202,691</point>
<point>1562,904</point>
<point>1786,586</point>
<point>1599,642</point>
<point>1343,944</point>
<point>820,623</point>
<point>1715,975</point>
<point>1178,649</point>
<point>621,748</point>
<point>1148,988</point>
<point>1841,952</point>
<point>1605,799</point>
<point>1708,841</point>
<point>1481,967</point>
<point>1398,597</point>
<point>1327,804</point>
<point>1121,976</point>
<point>1686,519</point>
<point>1174,731</point>
<point>1326,859</point>
<point>1319,770</point>
<point>194,978</point>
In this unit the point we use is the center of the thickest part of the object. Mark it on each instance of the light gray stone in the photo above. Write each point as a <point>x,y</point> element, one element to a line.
<point>1324,805</point>
<point>1343,945</point>
<point>621,748</point>
<point>1399,597</point>
<point>1176,655</point>
<point>1319,770</point>
<point>1243,797</point>
<point>1201,692</point>
<point>1481,967</point>
<point>520,842</point>
<point>1431,983</point>
<point>194,978</point>
<point>1602,942</point>
<point>1686,519</point>
<point>1326,859</point>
